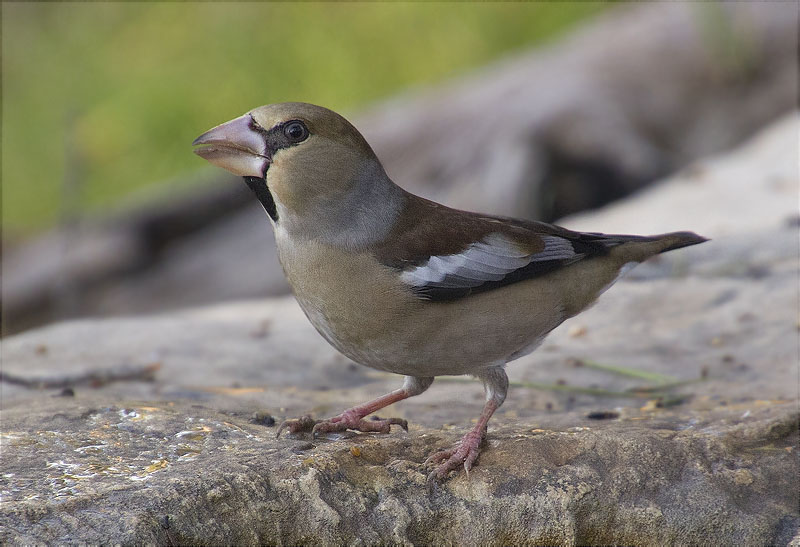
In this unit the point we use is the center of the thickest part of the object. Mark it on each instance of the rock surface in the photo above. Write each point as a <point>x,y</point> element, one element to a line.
<point>628,98</point>
<point>687,432</point>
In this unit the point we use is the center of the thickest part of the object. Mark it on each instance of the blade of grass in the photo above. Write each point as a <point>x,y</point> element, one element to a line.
<point>649,390</point>
<point>655,377</point>
<point>598,392</point>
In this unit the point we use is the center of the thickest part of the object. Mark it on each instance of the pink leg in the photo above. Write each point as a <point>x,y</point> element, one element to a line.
<point>353,418</point>
<point>466,452</point>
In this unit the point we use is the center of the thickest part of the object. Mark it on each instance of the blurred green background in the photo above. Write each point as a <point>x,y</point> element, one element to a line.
<point>109,96</point>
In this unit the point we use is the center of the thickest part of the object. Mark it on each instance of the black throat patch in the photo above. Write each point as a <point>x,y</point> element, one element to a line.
<point>260,189</point>
<point>275,139</point>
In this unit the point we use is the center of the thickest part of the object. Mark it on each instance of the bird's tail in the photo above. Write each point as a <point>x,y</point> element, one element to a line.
<point>639,248</point>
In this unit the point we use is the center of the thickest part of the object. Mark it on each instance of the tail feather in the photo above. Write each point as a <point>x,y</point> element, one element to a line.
<point>639,248</point>
<point>678,240</point>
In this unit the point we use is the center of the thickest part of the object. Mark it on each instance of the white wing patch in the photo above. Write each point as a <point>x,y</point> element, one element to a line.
<point>491,259</point>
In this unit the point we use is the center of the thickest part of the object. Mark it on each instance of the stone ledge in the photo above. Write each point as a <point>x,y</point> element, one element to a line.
<point>185,474</point>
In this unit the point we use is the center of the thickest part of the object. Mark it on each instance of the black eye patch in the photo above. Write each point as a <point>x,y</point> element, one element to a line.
<point>283,135</point>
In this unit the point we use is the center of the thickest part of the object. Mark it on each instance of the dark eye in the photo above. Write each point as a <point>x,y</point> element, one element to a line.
<point>295,131</point>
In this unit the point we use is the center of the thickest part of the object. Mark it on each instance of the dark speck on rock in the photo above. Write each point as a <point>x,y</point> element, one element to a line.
<point>262,417</point>
<point>67,392</point>
<point>724,297</point>
<point>757,271</point>
<point>603,415</point>
<point>88,412</point>
<point>262,330</point>
<point>792,221</point>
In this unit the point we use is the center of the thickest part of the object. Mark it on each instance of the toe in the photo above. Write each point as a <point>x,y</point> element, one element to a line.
<point>450,464</point>
<point>328,426</point>
<point>440,456</point>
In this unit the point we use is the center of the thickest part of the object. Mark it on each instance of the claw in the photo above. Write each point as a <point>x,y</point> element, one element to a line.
<point>470,460</point>
<point>296,425</point>
<point>398,421</point>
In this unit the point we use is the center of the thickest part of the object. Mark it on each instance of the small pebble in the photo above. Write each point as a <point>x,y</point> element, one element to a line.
<point>302,447</point>
<point>355,451</point>
<point>650,405</point>
<point>576,331</point>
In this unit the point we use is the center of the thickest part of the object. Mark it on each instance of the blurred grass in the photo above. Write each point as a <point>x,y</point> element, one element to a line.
<point>125,87</point>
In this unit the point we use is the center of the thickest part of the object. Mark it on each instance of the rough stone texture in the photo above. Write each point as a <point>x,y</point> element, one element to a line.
<point>186,474</point>
<point>700,448</point>
<point>629,97</point>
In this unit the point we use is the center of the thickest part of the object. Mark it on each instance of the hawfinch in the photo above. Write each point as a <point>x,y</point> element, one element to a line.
<point>402,284</point>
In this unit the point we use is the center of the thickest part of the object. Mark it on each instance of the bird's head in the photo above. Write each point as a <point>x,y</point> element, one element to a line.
<point>306,159</point>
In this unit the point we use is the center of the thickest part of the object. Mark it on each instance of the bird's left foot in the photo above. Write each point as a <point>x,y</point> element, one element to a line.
<point>464,453</point>
<point>352,420</point>
<point>344,421</point>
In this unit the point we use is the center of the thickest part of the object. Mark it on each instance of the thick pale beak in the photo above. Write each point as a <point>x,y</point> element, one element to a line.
<point>236,146</point>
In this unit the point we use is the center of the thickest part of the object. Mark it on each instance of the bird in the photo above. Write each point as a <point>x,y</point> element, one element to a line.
<point>402,284</point>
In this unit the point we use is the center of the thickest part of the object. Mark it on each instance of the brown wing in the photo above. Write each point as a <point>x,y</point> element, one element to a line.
<point>445,254</point>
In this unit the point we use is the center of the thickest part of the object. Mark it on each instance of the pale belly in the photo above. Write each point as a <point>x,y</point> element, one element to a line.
<point>363,312</point>
<point>421,338</point>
